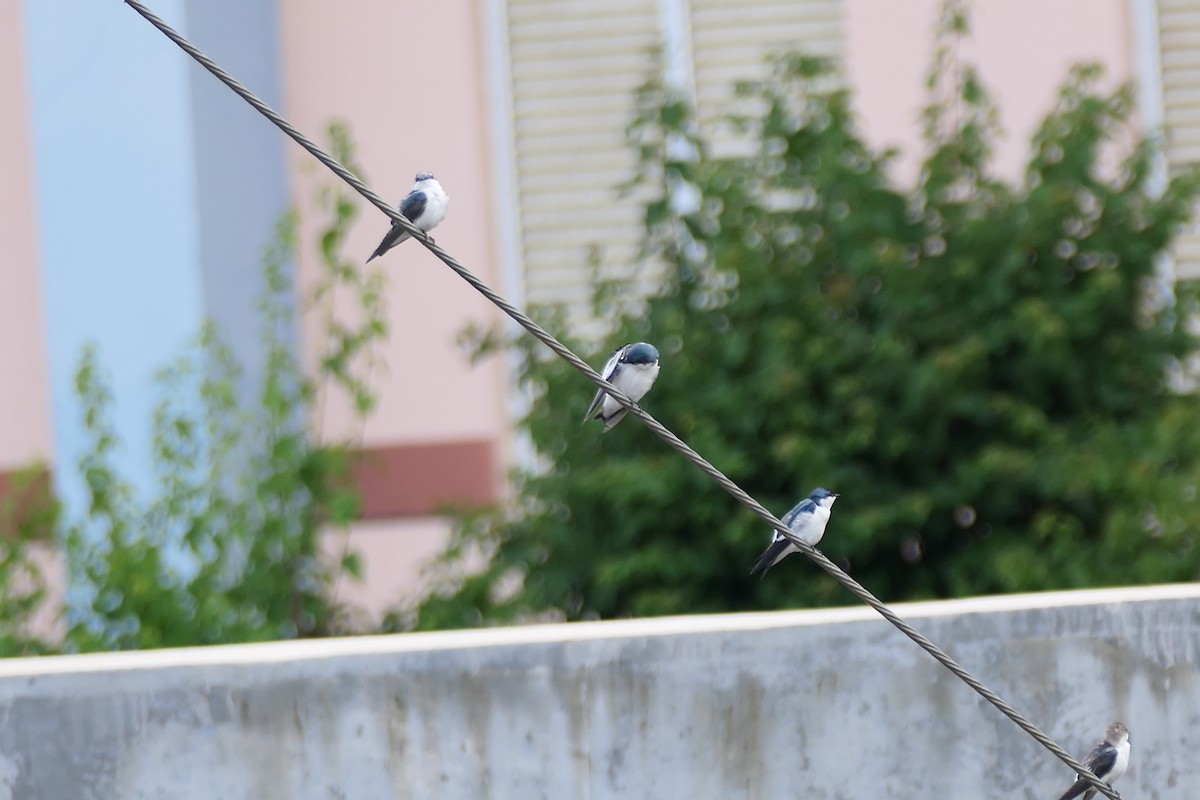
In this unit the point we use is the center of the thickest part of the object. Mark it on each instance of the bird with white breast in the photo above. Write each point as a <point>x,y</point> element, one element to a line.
<point>807,520</point>
<point>632,368</point>
<point>425,206</point>
<point>1107,761</point>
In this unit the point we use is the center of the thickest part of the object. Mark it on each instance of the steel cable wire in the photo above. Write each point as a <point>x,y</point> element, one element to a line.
<point>663,433</point>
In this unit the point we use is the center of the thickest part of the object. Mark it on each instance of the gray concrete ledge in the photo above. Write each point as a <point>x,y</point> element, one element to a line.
<point>820,704</point>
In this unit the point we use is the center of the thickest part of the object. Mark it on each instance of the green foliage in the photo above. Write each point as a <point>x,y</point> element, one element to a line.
<point>979,367</point>
<point>228,548</point>
<point>28,515</point>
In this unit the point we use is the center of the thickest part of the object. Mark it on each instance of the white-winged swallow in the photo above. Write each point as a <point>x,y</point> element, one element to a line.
<point>632,368</point>
<point>425,206</point>
<point>1107,761</point>
<point>807,520</point>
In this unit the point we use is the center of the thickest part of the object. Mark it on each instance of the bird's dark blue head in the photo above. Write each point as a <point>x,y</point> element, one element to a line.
<point>424,176</point>
<point>820,493</point>
<point>641,353</point>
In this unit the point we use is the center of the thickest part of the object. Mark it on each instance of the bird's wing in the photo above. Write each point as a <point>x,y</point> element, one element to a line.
<point>803,508</point>
<point>614,363</point>
<point>611,368</point>
<point>413,206</point>
<point>1101,760</point>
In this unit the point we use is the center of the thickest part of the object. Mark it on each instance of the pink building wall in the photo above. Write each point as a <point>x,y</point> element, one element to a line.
<point>409,79</point>
<point>1023,50</point>
<point>25,429</point>
<point>25,432</point>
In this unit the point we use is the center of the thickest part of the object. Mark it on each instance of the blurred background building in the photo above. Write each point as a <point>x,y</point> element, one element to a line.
<point>136,193</point>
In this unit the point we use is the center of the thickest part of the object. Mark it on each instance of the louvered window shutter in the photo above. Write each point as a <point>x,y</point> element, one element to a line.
<point>731,42</point>
<point>1179,40</point>
<point>575,65</point>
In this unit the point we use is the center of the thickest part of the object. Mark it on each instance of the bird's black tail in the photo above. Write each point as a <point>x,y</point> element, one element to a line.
<point>1076,789</point>
<point>768,557</point>
<point>394,236</point>
<point>611,422</point>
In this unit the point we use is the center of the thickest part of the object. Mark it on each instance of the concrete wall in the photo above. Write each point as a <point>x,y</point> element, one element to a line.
<point>822,704</point>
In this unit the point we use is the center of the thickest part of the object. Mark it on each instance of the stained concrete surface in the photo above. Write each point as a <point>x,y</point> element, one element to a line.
<point>814,704</point>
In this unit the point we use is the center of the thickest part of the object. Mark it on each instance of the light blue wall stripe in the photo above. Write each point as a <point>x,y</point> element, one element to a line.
<point>240,167</point>
<point>156,191</point>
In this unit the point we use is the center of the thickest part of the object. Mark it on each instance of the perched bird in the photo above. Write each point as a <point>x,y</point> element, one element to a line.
<point>424,207</point>
<point>807,520</point>
<point>1107,761</point>
<point>632,368</point>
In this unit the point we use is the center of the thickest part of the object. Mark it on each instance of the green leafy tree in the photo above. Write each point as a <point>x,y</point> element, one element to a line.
<point>981,367</point>
<point>227,548</point>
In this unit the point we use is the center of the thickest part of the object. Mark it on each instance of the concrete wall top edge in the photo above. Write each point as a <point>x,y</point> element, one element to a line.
<point>322,649</point>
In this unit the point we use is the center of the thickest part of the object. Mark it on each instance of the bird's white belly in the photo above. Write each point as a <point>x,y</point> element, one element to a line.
<point>634,380</point>
<point>435,211</point>
<point>814,528</point>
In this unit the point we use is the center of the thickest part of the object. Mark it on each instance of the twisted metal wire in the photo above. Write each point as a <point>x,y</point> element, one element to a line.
<point>857,589</point>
